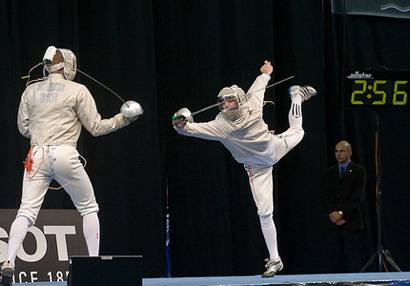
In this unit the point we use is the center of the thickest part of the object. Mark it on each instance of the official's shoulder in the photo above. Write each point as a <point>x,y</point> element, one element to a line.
<point>357,168</point>
<point>356,165</point>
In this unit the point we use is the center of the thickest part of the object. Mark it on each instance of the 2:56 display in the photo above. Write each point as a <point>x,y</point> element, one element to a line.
<point>379,92</point>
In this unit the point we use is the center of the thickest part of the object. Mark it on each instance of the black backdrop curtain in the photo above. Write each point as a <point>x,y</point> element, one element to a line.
<point>170,54</point>
<point>114,43</point>
<point>359,42</point>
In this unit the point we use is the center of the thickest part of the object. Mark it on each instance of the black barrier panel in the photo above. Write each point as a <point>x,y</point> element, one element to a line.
<point>124,270</point>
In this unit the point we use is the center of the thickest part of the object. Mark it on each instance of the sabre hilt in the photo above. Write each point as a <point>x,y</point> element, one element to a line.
<point>181,117</point>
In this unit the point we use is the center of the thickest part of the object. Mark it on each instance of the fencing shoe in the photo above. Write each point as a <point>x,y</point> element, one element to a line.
<point>306,91</point>
<point>7,272</point>
<point>272,267</point>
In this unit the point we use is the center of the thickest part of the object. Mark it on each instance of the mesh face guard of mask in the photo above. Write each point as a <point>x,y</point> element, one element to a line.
<point>228,102</point>
<point>69,65</point>
<point>231,98</point>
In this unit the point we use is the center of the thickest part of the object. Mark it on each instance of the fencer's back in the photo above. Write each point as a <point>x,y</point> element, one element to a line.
<point>47,112</point>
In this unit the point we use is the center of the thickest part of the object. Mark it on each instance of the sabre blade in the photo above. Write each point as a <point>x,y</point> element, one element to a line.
<point>271,85</point>
<point>103,85</point>
<point>205,108</point>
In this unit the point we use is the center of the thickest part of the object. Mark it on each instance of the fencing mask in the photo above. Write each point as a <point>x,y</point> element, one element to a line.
<point>231,101</point>
<point>55,59</point>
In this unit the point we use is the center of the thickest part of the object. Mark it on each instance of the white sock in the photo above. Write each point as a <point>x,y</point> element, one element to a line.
<point>269,233</point>
<point>18,231</point>
<point>295,112</point>
<point>91,230</point>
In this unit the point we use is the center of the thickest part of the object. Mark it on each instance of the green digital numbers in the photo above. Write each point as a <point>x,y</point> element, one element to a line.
<point>358,93</point>
<point>376,91</point>
<point>399,96</point>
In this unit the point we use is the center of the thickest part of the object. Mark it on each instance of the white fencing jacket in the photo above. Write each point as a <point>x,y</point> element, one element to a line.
<point>52,111</point>
<point>247,138</point>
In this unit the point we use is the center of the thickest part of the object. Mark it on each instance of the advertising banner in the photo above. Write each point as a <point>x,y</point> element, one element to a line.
<point>56,235</point>
<point>383,8</point>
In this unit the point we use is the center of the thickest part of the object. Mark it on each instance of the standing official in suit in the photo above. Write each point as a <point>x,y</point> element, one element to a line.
<point>343,191</point>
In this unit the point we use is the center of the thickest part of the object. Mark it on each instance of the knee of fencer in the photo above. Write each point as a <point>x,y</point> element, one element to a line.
<point>28,220</point>
<point>302,134</point>
<point>265,218</point>
<point>88,210</point>
<point>265,209</point>
<point>30,214</point>
<point>299,130</point>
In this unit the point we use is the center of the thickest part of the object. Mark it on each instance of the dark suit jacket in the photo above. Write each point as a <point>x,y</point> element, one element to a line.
<point>345,194</point>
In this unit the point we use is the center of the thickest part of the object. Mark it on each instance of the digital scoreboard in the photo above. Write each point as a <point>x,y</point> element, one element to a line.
<point>376,90</point>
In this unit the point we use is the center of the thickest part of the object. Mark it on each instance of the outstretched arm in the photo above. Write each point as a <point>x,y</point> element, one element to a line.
<point>206,130</point>
<point>257,89</point>
<point>184,125</point>
<point>91,119</point>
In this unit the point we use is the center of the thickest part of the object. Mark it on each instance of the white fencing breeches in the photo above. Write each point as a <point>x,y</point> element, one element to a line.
<point>62,164</point>
<point>261,178</point>
<point>285,141</point>
<point>261,183</point>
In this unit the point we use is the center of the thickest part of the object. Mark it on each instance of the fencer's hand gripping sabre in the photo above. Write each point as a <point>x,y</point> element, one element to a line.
<point>185,115</point>
<point>129,109</point>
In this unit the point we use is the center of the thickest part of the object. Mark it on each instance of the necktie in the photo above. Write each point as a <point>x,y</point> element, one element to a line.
<point>342,171</point>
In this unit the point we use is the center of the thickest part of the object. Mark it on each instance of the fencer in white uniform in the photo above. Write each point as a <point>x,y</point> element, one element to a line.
<point>51,114</point>
<point>241,129</point>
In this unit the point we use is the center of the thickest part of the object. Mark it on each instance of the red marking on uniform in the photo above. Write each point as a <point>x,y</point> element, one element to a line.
<point>250,173</point>
<point>28,163</point>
